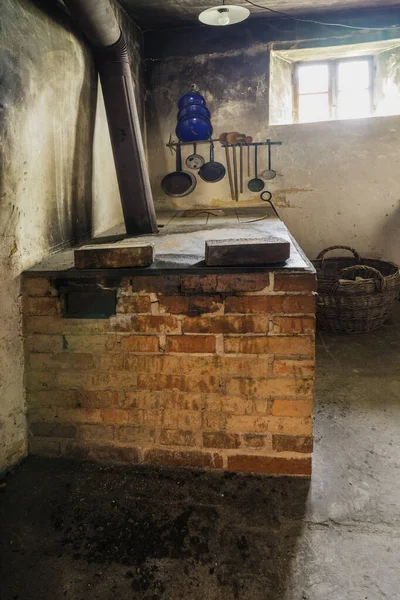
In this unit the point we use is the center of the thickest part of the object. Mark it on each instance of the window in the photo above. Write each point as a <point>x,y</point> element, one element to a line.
<point>333,89</point>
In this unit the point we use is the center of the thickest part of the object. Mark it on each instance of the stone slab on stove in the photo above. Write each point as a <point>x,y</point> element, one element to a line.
<point>263,251</point>
<point>179,246</point>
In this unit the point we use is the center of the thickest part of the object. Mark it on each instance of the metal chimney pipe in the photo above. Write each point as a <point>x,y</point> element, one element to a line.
<point>98,22</point>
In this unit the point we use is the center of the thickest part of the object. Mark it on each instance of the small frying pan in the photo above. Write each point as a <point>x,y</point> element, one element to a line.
<point>195,161</point>
<point>269,173</point>
<point>179,183</point>
<point>212,171</point>
<point>255,184</point>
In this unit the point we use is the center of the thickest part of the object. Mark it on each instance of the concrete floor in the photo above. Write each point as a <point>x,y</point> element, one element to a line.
<point>81,532</point>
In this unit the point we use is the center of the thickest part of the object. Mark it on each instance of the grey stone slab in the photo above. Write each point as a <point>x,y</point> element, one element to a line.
<point>180,246</point>
<point>356,466</point>
<point>340,564</point>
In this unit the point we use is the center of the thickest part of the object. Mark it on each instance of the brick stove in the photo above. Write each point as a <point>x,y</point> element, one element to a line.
<point>197,367</point>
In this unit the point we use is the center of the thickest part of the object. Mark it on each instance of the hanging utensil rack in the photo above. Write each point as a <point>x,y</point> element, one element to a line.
<point>172,144</point>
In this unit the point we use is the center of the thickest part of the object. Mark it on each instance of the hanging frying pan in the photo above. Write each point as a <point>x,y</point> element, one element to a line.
<point>195,161</point>
<point>179,183</point>
<point>212,171</point>
<point>269,173</point>
<point>256,184</point>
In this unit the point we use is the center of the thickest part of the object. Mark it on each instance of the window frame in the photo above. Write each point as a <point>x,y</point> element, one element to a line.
<point>333,91</point>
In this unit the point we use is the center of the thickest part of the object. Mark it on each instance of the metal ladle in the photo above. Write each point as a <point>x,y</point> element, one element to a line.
<point>269,173</point>
<point>256,184</point>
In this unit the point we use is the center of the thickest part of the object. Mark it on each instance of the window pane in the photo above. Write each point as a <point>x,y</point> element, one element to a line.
<point>353,75</point>
<point>313,108</point>
<point>354,105</point>
<point>313,79</point>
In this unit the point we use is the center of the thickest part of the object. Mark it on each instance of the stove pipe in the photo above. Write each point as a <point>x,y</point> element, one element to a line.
<point>97,20</point>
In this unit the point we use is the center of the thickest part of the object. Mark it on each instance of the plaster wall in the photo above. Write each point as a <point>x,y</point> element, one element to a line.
<point>337,182</point>
<point>387,91</point>
<point>57,179</point>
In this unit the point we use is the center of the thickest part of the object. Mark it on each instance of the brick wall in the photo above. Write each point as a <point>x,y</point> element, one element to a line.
<point>206,371</point>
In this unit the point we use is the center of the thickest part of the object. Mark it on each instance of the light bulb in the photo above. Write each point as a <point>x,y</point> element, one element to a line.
<point>224,18</point>
<point>224,14</point>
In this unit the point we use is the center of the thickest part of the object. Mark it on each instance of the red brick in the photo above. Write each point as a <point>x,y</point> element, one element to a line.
<point>226,324</point>
<point>51,398</point>
<point>60,361</point>
<point>270,465</point>
<point>190,305</point>
<point>116,362</point>
<point>182,419</point>
<point>115,416</point>
<point>161,382</point>
<point>238,282</point>
<point>233,365</point>
<point>140,343</point>
<point>101,453</point>
<point>290,425</point>
<point>134,304</point>
<point>180,401</point>
<point>289,325</point>
<point>52,429</point>
<point>44,447</point>
<point>153,364</point>
<point>298,368</point>
<point>262,388</point>
<point>189,383</point>
<point>166,284</point>
<point>79,415</point>
<point>145,324</point>
<point>37,286</point>
<point>44,343</point>
<point>247,424</point>
<point>256,441</point>
<point>295,282</point>
<point>135,435</point>
<point>89,343</point>
<point>292,408</point>
<point>99,399</point>
<point>220,439</point>
<point>191,344</point>
<point>236,405</point>
<point>41,306</point>
<point>284,346</point>
<point>104,380</point>
<point>58,325</point>
<point>153,417</point>
<point>290,443</point>
<point>141,399</point>
<point>177,437</point>
<point>213,421</point>
<point>183,459</point>
<point>270,304</point>
<point>95,433</point>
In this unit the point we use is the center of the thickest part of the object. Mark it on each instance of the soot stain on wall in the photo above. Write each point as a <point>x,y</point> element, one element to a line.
<point>48,92</point>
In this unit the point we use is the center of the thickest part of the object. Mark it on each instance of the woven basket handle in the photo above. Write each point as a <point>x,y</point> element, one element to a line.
<point>321,255</point>
<point>376,275</point>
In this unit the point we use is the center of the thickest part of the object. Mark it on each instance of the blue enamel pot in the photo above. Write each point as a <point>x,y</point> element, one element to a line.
<point>191,98</point>
<point>194,110</point>
<point>193,129</point>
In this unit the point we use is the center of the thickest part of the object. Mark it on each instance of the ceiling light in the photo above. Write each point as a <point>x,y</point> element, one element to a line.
<point>228,14</point>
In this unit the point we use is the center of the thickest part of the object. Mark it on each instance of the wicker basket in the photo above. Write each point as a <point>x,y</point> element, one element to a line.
<point>355,294</point>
